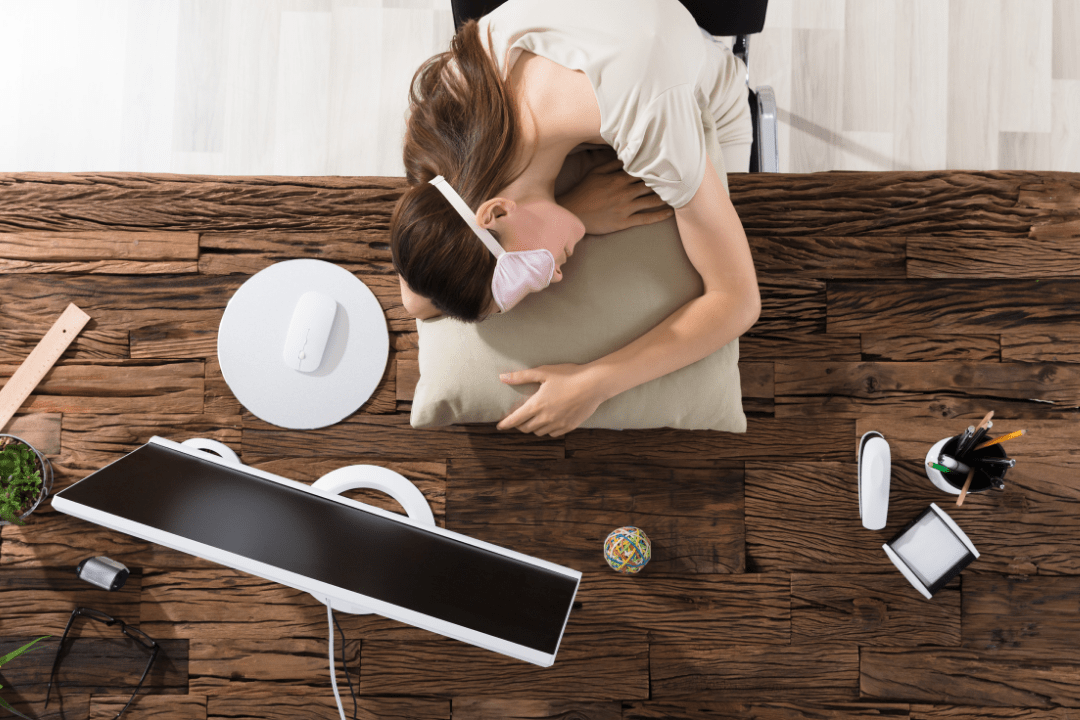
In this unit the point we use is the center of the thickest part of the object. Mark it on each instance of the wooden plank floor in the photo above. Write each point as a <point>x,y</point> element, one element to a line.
<point>909,303</point>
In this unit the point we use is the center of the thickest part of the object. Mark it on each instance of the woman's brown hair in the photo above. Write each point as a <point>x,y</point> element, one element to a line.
<point>464,126</point>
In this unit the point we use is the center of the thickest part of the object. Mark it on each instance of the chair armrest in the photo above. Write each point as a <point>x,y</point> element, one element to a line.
<point>767,145</point>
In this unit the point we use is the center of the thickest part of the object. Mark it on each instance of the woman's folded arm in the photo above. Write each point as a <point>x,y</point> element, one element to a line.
<point>716,244</point>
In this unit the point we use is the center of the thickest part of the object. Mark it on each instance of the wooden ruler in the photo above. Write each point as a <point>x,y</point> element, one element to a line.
<point>40,361</point>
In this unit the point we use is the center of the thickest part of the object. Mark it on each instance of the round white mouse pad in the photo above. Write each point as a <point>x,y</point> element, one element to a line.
<point>253,335</point>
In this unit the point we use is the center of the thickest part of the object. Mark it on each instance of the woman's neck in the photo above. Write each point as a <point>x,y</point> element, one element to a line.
<point>558,111</point>
<point>543,165</point>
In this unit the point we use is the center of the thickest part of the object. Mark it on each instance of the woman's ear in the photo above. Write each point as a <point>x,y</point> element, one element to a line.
<point>493,209</point>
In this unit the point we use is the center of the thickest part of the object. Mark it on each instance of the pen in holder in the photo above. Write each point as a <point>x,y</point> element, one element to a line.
<point>990,463</point>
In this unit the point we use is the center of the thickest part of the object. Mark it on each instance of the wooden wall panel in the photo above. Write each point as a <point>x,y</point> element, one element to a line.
<point>42,430</point>
<point>592,665</point>
<point>72,704</point>
<point>91,344</point>
<point>791,305</point>
<point>149,707</point>
<point>1001,258</point>
<point>360,250</point>
<point>562,511</point>
<point>770,347</point>
<point>117,388</point>
<point>119,303</point>
<point>116,435</point>
<point>55,246</point>
<point>39,601</point>
<point>172,342</point>
<point>960,712</point>
<point>98,267</point>
<point>1056,193</point>
<point>196,203</point>
<point>1006,678</point>
<point>956,203</point>
<point>854,390</point>
<point>392,436</point>
<point>268,703</point>
<point>213,602</point>
<point>408,374</point>
<point>680,669</point>
<point>872,610</point>
<point>99,252</point>
<point>1030,527</point>
<point>526,709</point>
<point>710,609</point>
<point>828,257</point>
<point>285,661</point>
<point>765,438</point>
<point>928,347</point>
<point>1040,614</point>
<point>762,709</point>
<point>888,304</point>
<point>979,307</point>
<point>218,399</point>
<point>207,604</point>
<point>912,438</point>
<point>1049,346</point>
<point>98,665</point>
<point>804,517</point>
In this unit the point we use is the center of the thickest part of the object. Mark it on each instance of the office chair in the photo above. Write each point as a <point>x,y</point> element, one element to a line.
<point>720,18</point>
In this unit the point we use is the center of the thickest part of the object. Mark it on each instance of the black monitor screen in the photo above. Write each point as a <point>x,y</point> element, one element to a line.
<point>335,543</point>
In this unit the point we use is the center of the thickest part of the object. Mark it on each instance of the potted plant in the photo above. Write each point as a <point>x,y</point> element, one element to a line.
<point>7,658</point>
<point>25,479</point>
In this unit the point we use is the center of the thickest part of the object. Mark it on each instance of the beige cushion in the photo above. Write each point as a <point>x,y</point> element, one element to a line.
<point>614,289</point>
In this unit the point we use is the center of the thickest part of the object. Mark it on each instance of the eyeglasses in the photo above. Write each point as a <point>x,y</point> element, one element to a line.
<point>132,632</point>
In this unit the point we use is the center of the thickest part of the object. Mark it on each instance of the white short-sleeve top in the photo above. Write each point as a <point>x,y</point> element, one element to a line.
<point>658,79</point>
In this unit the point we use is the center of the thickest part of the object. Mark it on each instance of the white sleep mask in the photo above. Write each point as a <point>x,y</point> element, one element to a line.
<point>516,273</point>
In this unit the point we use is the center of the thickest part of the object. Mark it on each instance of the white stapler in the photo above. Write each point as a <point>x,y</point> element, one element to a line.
<point>875,471</point>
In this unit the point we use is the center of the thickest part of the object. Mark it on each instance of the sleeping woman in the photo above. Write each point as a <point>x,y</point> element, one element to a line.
<point>490,126</point>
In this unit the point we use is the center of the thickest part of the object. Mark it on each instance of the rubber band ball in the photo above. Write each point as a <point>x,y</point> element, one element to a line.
<point>627,549</point>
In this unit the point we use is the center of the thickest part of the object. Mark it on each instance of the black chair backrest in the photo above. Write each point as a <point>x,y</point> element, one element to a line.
<point>718,17</point>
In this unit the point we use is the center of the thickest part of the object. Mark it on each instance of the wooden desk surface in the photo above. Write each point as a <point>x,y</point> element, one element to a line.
<point>905,302</point>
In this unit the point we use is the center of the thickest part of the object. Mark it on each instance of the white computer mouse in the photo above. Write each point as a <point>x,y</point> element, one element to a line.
<point>309,330</point>
<point>875,473</point>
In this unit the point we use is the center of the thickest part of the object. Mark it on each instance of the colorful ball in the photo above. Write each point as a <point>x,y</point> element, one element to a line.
<point>627,549</point>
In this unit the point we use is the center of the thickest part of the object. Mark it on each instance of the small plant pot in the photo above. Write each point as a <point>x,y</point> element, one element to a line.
<point>44,467</point>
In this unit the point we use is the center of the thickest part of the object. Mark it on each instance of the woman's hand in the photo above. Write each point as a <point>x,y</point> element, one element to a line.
<point>568,396</point>
<point>609,199</point>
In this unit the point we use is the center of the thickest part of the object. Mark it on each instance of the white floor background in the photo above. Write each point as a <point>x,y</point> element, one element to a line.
<point>319,87</point>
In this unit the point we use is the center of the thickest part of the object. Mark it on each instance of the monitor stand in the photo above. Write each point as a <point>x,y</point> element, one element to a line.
<point>341,480</point>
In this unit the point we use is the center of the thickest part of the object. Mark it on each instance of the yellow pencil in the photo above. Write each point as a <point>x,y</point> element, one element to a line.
<point>1001,439</point>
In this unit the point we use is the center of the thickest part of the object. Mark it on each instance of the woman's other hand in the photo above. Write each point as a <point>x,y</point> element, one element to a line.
<point>609,199</point>
<point>569,394</point>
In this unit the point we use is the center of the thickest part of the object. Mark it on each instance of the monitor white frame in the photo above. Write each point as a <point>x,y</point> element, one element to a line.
<point>321,589</point>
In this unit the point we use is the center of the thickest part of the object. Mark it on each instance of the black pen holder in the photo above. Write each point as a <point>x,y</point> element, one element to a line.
<point>986,476</point>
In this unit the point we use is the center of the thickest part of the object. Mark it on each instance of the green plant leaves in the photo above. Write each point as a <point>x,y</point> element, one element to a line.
<point>20,480</point>
<point>4,704</point>
<point>7,658</point>
<point>16,653</point>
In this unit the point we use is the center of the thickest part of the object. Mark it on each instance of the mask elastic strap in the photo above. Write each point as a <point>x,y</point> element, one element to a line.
<point>468,216</point>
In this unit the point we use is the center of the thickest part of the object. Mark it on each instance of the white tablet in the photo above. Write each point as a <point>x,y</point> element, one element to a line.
<point>332,547</point>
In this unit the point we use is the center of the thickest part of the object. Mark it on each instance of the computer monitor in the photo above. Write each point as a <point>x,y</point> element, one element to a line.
<point>332,547</point>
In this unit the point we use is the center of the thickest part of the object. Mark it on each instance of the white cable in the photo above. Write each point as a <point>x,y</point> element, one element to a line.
<point>333,669</point>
